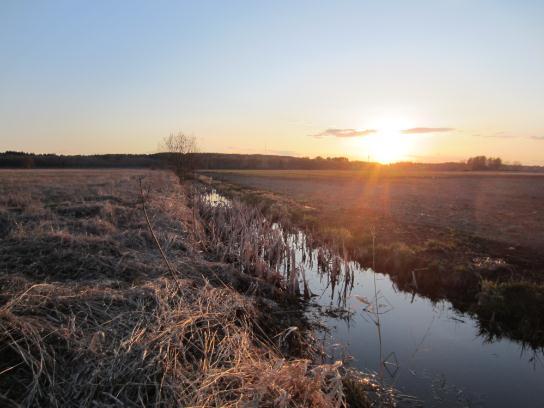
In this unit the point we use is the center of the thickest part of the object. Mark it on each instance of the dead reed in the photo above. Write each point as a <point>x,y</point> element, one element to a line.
<point>275,252</point>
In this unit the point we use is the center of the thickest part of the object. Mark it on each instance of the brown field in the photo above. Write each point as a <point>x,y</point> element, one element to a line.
<point>506,207</point>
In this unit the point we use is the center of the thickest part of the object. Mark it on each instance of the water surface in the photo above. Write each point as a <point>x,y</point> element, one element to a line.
<point>429,349</point>
<point>423,348</point>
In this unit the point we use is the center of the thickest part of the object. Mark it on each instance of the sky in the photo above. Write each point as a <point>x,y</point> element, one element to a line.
<point>384,80</point>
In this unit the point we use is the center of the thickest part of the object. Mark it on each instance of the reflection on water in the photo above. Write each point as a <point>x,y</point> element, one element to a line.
<point>428,349</point>
<point>215,199</point>
<point>423,348</point>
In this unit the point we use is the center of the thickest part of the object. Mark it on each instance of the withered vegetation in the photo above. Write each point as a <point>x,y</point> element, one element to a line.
<point>90,314</point>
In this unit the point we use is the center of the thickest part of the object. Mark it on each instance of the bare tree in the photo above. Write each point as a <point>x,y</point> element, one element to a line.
<point>181,157</point>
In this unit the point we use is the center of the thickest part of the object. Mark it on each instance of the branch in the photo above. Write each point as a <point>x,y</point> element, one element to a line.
<point>172,271</point>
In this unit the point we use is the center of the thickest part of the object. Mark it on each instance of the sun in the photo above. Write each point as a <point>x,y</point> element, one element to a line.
<point>388,144</point>
<point>388,147</point>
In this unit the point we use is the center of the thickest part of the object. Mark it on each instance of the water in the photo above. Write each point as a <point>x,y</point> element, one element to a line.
<point>430,350</point>
<point>215,199</point>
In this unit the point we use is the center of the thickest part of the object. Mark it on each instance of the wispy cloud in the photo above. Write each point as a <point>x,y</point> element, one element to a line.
<point>345,133</point>
<point>537,137</point>
<point>418,130</point>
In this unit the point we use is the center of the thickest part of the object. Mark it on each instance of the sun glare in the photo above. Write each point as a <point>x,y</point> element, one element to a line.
<point>388,144</point>
<point>389,147</point>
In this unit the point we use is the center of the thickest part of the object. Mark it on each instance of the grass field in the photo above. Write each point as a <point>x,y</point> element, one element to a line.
<point>92,315</point>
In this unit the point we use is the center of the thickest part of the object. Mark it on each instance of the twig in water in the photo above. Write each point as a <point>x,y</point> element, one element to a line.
<point>423,339</point>
<point>378,323</point>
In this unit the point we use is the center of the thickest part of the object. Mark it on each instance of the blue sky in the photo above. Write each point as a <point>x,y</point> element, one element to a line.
<point>97,76</point>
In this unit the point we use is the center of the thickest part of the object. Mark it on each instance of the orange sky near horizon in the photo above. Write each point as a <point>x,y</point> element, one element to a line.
<point>424,81</point>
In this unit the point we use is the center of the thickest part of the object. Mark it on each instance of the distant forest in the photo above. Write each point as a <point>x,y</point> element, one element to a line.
<point>21,160</point>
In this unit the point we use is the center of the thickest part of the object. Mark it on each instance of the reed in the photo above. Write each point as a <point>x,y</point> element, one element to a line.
<point>273,251</point>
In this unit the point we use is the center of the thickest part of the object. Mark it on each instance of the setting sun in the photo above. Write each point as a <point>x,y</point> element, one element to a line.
<point>389,148</point>
<point>385,146</point>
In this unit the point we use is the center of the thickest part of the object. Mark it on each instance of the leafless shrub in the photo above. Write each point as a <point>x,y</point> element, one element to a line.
<point>181,149</point>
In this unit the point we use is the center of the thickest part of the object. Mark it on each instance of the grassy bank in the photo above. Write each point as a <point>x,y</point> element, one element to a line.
<point>91,313</point>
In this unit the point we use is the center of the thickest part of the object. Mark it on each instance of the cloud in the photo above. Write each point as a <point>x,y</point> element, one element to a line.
<point>537,137</point>
<point>345,133</point>
<point>418,130</point>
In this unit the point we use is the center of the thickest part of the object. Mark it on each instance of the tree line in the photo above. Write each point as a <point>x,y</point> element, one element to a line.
<point>195,160</point>
<point>484,163</point>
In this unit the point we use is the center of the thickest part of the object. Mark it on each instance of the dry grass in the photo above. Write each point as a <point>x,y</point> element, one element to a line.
<point>90,315</point>
<point>64,345</point>
<point>264,247</point>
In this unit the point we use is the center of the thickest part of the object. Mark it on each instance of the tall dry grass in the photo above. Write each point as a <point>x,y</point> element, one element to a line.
<point>151,345</point>
<point>90,315</point>
<point>265,248</point>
